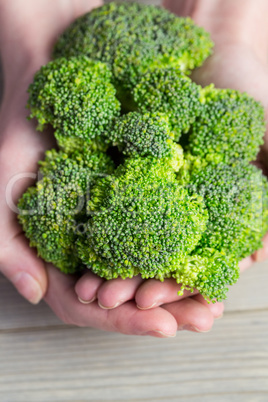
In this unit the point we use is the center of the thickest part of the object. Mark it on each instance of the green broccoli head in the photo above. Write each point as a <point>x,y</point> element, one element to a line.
<point>233,197</point>
<point>230,126</point>
<point>71,144</point>
<point>168,91</point>
<point>133,37</point>
<point>51,212</point>
<point>142,134</point>
<point>143,222</point>
<point>209,271</point>
<point>75,96</point>
<point>48,227</point>
<point>264,223</point>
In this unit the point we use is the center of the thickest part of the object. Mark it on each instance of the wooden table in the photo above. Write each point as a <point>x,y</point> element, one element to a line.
<point>44,360</point>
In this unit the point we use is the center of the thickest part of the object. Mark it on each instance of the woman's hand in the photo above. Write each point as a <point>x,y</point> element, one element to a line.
<point>239,61</point>
<point>27,34</point>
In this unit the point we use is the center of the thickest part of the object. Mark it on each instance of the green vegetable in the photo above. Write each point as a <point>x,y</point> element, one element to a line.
<point>52,212</point>
<point>132,38</point>
<point>153,175</point>
<point>209,271</point>
<point>169,91</point>
<point>233,197</point>
<point>230,126</point>
<point>144,221</point>
<point>142,134</point>
<point>75,96</point>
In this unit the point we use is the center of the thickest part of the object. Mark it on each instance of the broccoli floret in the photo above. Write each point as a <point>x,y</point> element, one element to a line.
<point>75,96</point>
<point>133,38</point>
<point>209,271</point>
<point>51,212</point>
<point>233,197</point>
<point>142,134</point>
<point>230,126</point>
<point>71,144</point>
<point>264,206</point>
<point>143,222</point>
<point>168,91</point>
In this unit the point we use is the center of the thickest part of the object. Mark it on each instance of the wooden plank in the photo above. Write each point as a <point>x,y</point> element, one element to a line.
<point>16,312</point>
<point>248,294</point>
<point>78,364</point>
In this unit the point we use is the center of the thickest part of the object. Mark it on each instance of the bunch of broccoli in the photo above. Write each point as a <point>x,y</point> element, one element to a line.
<point>153,173</point>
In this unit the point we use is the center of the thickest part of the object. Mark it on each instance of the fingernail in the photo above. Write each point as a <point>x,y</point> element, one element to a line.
<point>160,334</point>
<point>110,307</point>
<point>146,308</point>
<point>193,329</point>
<point>86,301</point>
<point>28,287</point>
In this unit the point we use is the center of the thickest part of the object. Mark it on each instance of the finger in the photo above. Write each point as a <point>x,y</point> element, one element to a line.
<point>262,255</point>
<point>18,262</point>
<point>216,309</point>
<point>153,293</point>
<point>87,287</point>
<point>259,256</point>
<point>246,263</point>
<point>21,266</point>
<point>118,291</point>
<point>126,319</point>
<point>191,315</point>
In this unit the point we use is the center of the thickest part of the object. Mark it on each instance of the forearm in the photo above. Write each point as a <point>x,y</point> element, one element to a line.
<point>242,21</point>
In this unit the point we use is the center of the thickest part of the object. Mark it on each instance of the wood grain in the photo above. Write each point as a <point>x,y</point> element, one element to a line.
<point>72,364</point>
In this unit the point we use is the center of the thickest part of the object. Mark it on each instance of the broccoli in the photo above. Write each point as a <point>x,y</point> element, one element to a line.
<point>132,38</point>
<point>75,96</point>
<point>209,271</point>
<point>265,207</point>
<point>142,134</point>
<point>168,91</point>
<point>230,126</point>
<point>143,222</point>
<point>153,176</point>
<point>233,197</point>
<point>52,210</point>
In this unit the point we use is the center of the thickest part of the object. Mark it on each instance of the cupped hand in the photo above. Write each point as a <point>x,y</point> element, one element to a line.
<point>25,42</point>
<point>20,149</point>
<point>236,64</point>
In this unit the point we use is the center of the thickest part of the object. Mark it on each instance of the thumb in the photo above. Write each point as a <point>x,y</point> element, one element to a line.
<point>262,255</point>
<point>18,262</point>
<point>23,268</point>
